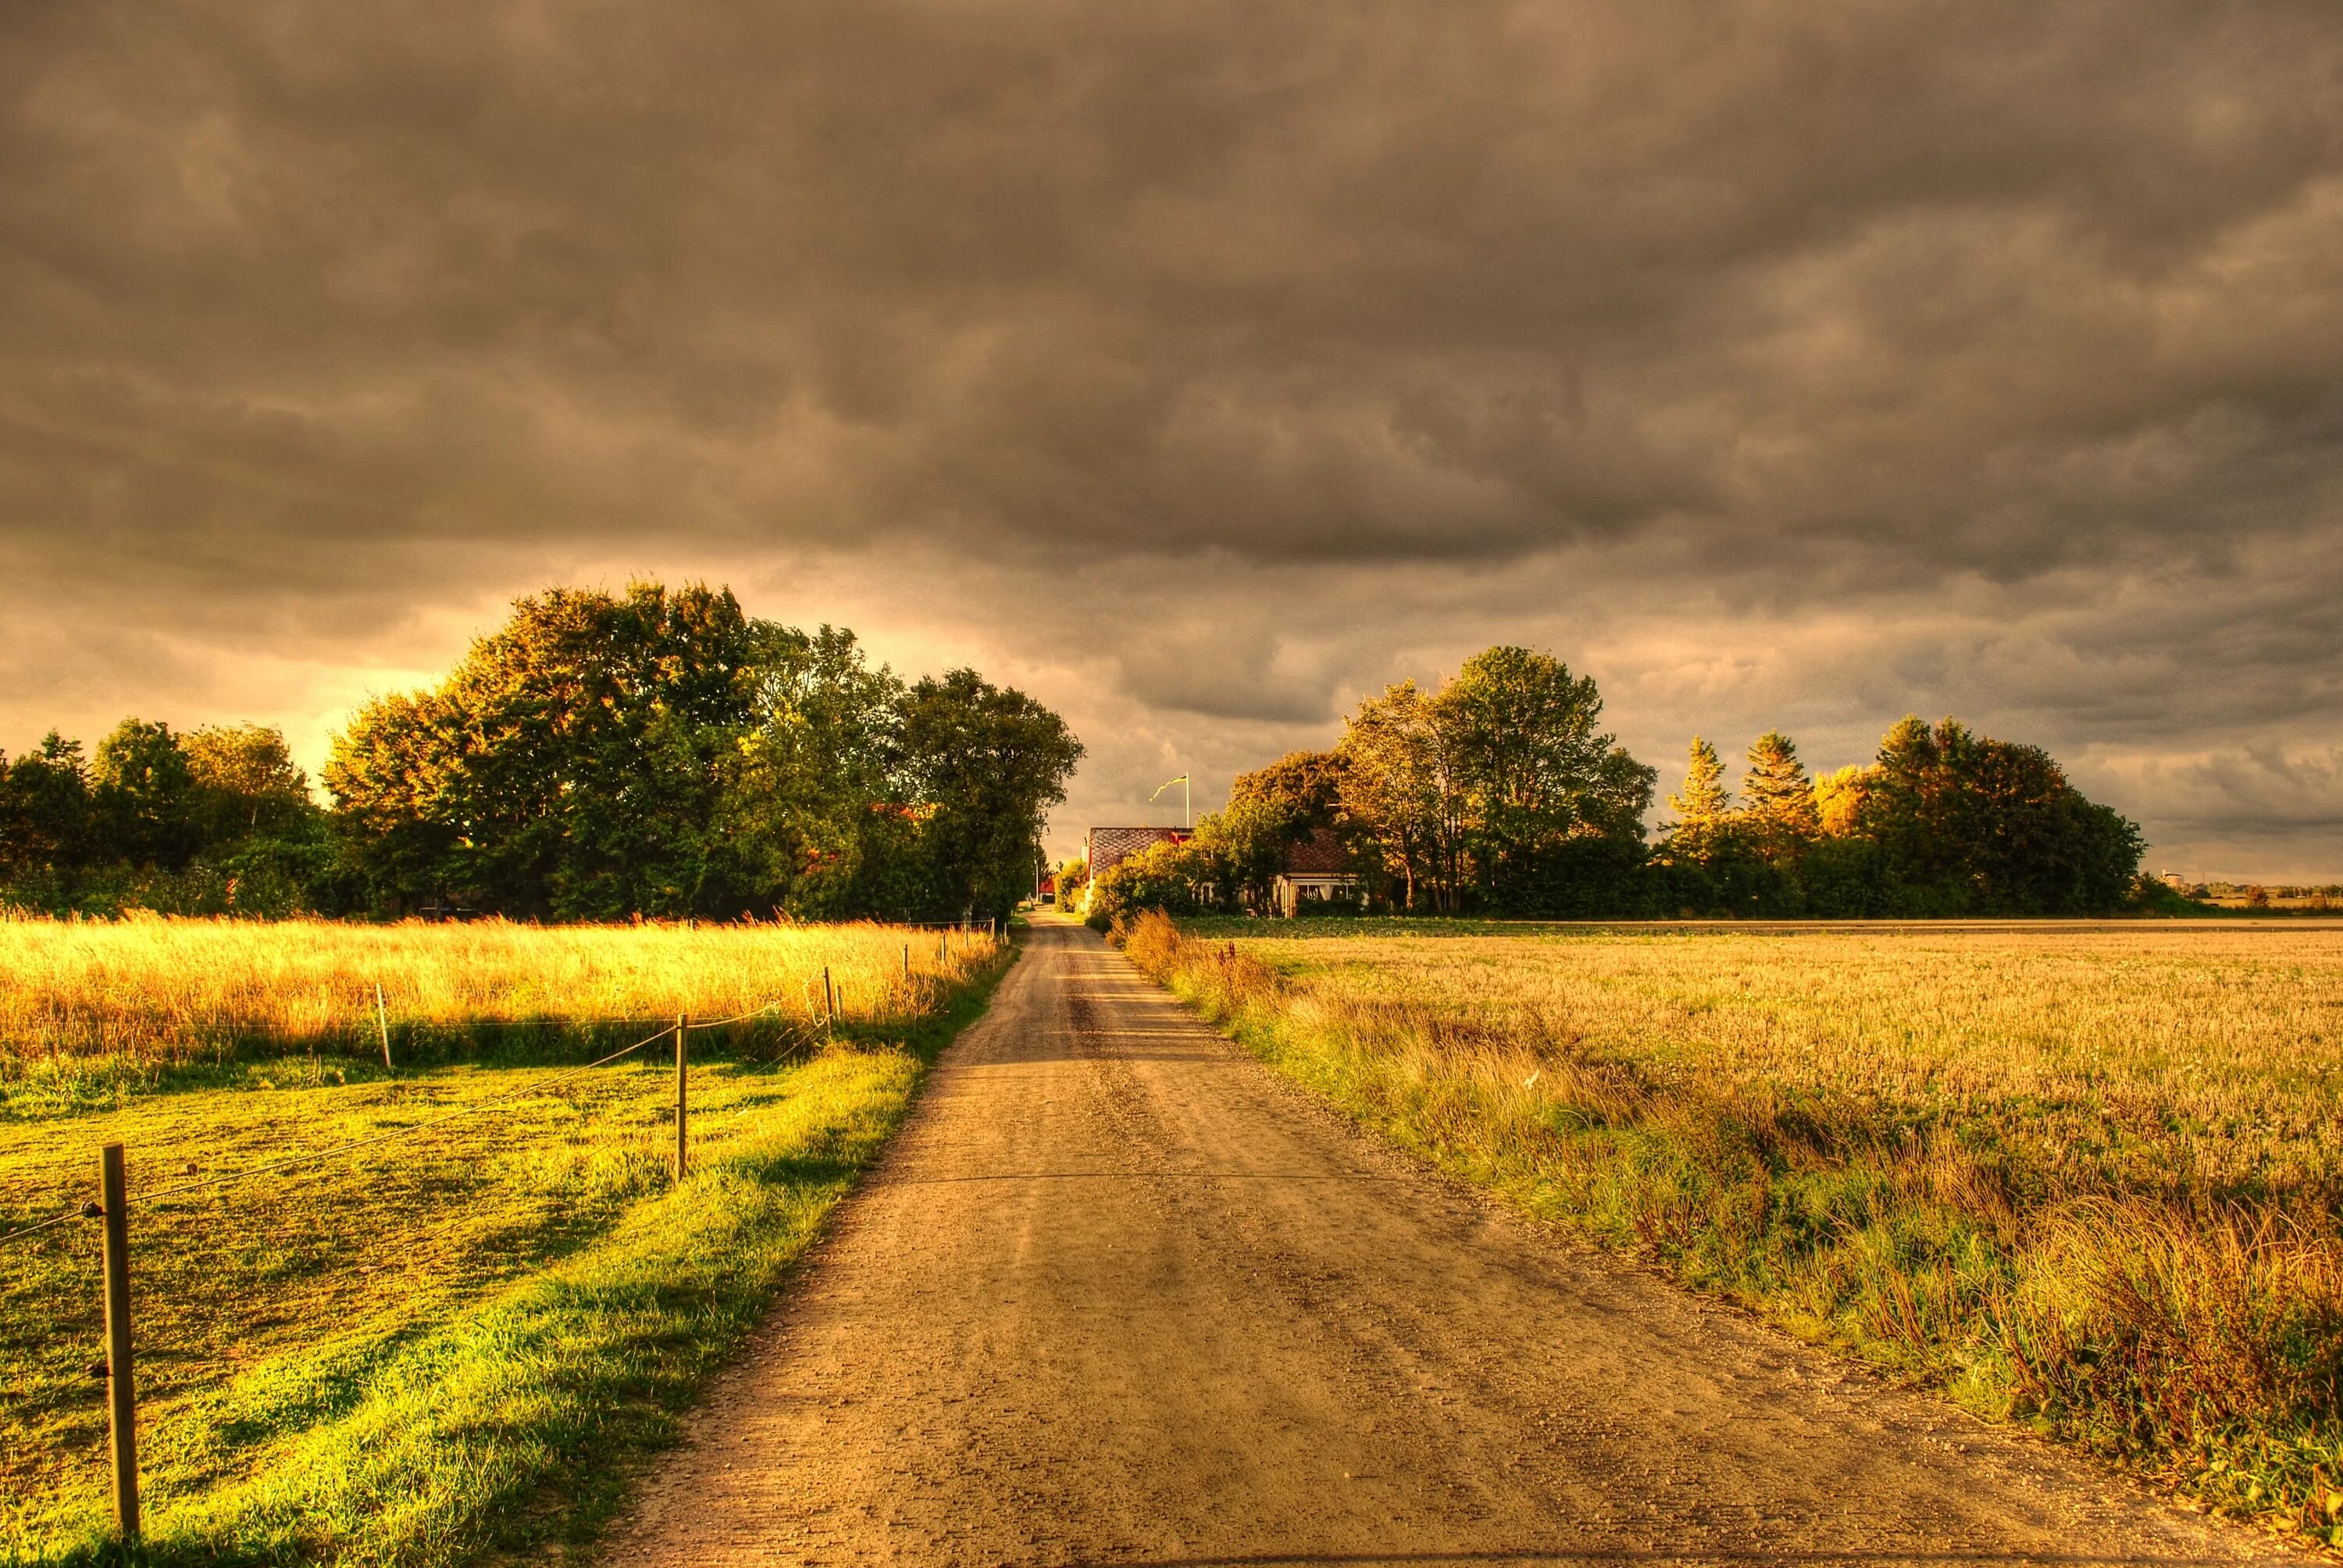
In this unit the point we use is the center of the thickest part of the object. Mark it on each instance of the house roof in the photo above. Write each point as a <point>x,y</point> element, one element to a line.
<point>1108,845</point>
<point>1320,852</point>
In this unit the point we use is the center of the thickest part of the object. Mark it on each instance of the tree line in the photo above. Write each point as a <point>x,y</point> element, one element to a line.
<point>1501,793</point>
<point>655,753</point>
<point>216,821</point>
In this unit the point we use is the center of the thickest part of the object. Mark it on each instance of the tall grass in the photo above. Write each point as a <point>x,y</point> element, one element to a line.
<point>83,1002</point>
<point>2089,1181</point>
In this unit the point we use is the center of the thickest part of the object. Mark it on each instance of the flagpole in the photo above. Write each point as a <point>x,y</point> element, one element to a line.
<point>1187,808</point>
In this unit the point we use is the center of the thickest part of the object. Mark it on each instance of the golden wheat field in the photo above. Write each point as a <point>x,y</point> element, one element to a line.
<point>161,991</point>
<point>2205,1063</point>
<point>2088,1178</point>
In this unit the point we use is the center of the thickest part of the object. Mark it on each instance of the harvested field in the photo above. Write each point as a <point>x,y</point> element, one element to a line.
<point>2086,1178</point>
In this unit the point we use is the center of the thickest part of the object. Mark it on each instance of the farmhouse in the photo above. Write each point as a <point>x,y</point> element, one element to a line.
<point>1316,869</point>
<point>1105,845</point>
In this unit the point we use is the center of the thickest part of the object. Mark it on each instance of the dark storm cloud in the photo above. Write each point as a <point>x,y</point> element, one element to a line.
<point>1799,362</point>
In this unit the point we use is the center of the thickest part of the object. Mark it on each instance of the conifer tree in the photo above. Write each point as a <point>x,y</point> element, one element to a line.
<point>1703,832</point>
<point>1703,801</point>
<point>1780,797</point>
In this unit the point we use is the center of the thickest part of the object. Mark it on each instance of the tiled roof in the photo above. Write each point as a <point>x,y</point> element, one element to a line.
<point>1320,852</point>
<point>1109,844</point>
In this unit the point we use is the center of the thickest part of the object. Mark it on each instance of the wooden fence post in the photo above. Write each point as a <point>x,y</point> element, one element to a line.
<point>907,957</point>
<point>682,1107</point>
<point>121,1389</point>
<point>382,1022</point>
<point>828,998</point>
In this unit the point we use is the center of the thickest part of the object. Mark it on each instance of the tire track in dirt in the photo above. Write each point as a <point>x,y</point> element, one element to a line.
<point>1118,1295</point>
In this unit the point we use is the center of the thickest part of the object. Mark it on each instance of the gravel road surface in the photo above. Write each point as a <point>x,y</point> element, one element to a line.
<point>1119,1295</point>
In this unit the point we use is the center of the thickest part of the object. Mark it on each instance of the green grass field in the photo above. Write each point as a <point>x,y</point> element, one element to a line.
<point>442,1346</point>
<point>2088,1178</point>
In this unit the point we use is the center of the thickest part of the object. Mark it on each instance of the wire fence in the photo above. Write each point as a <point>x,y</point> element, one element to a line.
<point>535,1087</point>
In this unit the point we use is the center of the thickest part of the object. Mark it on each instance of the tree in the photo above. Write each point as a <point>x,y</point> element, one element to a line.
<point>809,812</point>
<point>1839,801</point>
<point>1705,862</point>
<point>570,766</point>
<point>1842,873</point>
<point>219,821</point>
<point>661,753</point>
<point>246,780</point>
<point>44,808</point>
<point>1270,811</point>
<point>1543,786</point>
<point>401,796</point>
<point>1703,801</point>
<point>1245,847</point>
<point>988,762</point>
<point>1306,785</point>
<point>1779,800</point>
<point>1176,877</point>
<point>1397,787</point>
<point>1965,824</point>
<point>1500,788</point>
<point>142,799</point>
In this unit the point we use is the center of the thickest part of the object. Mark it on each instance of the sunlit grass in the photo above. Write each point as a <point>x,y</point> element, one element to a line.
<point>417,1350</point>
<point>2089,1179</point>
<point>89,1005</point>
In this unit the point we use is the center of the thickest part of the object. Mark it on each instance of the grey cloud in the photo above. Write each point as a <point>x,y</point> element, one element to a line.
<point>1214,364</point>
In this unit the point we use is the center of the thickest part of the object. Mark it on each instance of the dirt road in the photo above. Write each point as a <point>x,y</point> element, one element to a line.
<point>1120,1296</point>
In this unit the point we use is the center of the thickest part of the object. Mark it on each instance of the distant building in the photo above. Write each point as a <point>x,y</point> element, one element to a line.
<point>1105,845</point>
<point>1316,870</point>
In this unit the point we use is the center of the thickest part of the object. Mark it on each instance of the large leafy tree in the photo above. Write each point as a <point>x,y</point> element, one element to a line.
<point>1556,804</point>
<point>661,753</point>
<point>1270,810</point>
<point>809,812</point>
<point>571,764</point>
<point>1398,787</point>
<point>984,764</point>
<point>1305,787</point>
<point>1500,788</point>
<point>1525,737</point>
<point>1241,849</point>
<point>246,780</point>
<point>398,779</point>
<point>1965,824</point>
<point>143,799</point>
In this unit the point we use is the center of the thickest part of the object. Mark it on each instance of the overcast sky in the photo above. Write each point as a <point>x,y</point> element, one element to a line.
<point>1198,368</point>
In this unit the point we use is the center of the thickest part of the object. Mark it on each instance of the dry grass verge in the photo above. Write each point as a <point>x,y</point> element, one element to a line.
<point>1938,1152</point>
